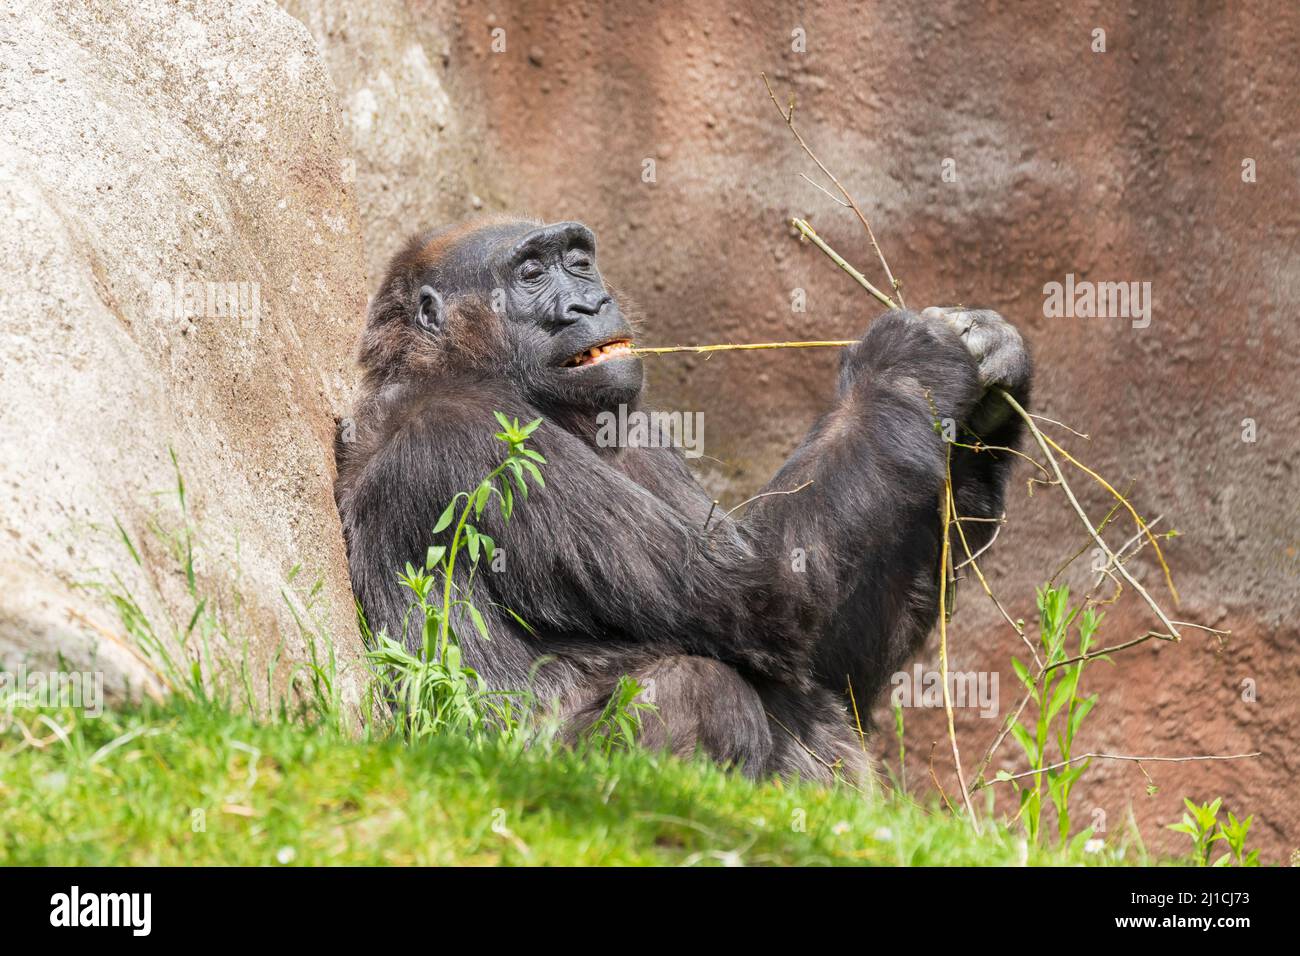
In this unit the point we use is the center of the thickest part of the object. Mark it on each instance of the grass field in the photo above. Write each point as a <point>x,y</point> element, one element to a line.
<point>192,783</point>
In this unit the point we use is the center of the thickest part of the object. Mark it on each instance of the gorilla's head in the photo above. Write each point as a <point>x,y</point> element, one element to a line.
<point>507,292</point>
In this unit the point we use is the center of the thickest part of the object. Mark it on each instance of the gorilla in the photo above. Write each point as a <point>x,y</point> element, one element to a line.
<point>753,628</point>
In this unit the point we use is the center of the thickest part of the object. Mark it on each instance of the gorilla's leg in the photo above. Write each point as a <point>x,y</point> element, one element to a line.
<point>812,736</point>
<point>701,704</point>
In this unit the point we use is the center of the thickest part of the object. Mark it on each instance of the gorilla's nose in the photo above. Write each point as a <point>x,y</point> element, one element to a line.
<point>583,308</point>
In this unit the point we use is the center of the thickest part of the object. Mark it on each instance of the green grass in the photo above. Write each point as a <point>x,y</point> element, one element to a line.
<point>191,783</point>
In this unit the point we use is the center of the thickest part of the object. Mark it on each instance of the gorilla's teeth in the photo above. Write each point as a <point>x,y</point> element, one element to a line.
<point>600,353</point>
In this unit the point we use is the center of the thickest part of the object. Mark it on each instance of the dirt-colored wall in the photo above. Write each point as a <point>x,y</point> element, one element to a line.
<point>1118,165</point>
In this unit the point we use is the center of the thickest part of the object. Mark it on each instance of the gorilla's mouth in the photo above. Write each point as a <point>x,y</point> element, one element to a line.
<point>617,348</point>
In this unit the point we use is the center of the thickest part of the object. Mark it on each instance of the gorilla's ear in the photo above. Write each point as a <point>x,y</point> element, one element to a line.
<point>431,313</point>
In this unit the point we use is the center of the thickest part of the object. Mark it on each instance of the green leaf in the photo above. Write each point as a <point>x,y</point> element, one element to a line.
<point>445,518</point>
<point>1059,696</point>
<point>1027,743</point>
<point>126,539</point>
<point>435,555</point>
<point>1080,711</point>
<point>478,621</point>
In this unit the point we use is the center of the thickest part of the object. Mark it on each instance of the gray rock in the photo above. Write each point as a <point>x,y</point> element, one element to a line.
<point>147,147</point>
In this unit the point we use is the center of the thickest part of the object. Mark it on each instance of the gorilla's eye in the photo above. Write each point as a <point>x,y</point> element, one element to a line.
<point>531,270</point>
<point>578,259</point>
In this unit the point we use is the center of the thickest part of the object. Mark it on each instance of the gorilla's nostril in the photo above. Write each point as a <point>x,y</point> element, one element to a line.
<point>586,306</point>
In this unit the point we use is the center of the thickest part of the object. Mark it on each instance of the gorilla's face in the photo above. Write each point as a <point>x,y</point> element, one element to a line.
<point>573,337</point>
<point>550,282</point>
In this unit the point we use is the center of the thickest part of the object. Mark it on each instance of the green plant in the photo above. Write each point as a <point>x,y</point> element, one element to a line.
<point>1203,825</point>
<point>1059,711</point>
<point>899,734</point>
<point>619,724</point>
<point>433,690</point>
<point>203,655</point>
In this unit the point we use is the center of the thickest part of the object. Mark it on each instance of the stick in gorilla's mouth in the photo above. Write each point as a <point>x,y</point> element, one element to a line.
<point>618,348</point>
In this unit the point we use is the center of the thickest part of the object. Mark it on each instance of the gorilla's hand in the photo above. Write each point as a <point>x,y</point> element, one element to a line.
<point>959,356</point>
<point>992,341</point>
<point>1000,357</point>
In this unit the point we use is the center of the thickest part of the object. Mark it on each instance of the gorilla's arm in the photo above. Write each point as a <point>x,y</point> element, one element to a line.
<point>868,525</point>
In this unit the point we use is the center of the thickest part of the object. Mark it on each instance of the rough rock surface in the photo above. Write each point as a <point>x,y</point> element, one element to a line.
<point>142,145</point>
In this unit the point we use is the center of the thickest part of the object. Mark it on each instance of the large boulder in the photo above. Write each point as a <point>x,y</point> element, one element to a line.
<point>182,272</point>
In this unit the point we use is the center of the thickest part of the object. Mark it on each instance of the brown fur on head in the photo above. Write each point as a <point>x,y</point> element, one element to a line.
<point>393,348</point>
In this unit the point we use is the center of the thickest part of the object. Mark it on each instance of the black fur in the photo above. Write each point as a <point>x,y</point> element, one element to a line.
<point>611,565</point>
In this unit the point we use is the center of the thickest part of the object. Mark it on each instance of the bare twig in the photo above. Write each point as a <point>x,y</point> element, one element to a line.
<point>970,558</point>
<point>811,235</point>
<point>745,347</point>
<point>1053,421</point>
<point>1043,443</point>
<point>857,718</point>
<point>1002,735</point>
<point>827,192</point>
<point>1131,757</point>
<point>1101,526</point>
<point>939,786</point>
<point>981,447</point>
<point>1102,652</point>
<point>1169,580</point>
<point>765,494</point>
<point>833,768</point>
<point>945,512</point>
<point>788,116</point>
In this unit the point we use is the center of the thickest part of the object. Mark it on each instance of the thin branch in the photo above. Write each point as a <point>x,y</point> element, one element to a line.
<point>811,235</point>
<point>1002,735</point>
<point>746,347</point>
<point>1131,510</point>
<point>857,718</point>
<point>1102,652</point>
<point>1101,526</point>
<point>765,494</point>
<point>789,122</point>
<point>1053,421</point>
<point>945,512</point>
<point>834,768</point>
<point>823,189</point>
<point>970,558</point>
<point>1204,627</point>
<point>1020,454</point>
<point>1132,757</point>
<point>939,786</point>
<point>1083,515</point>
